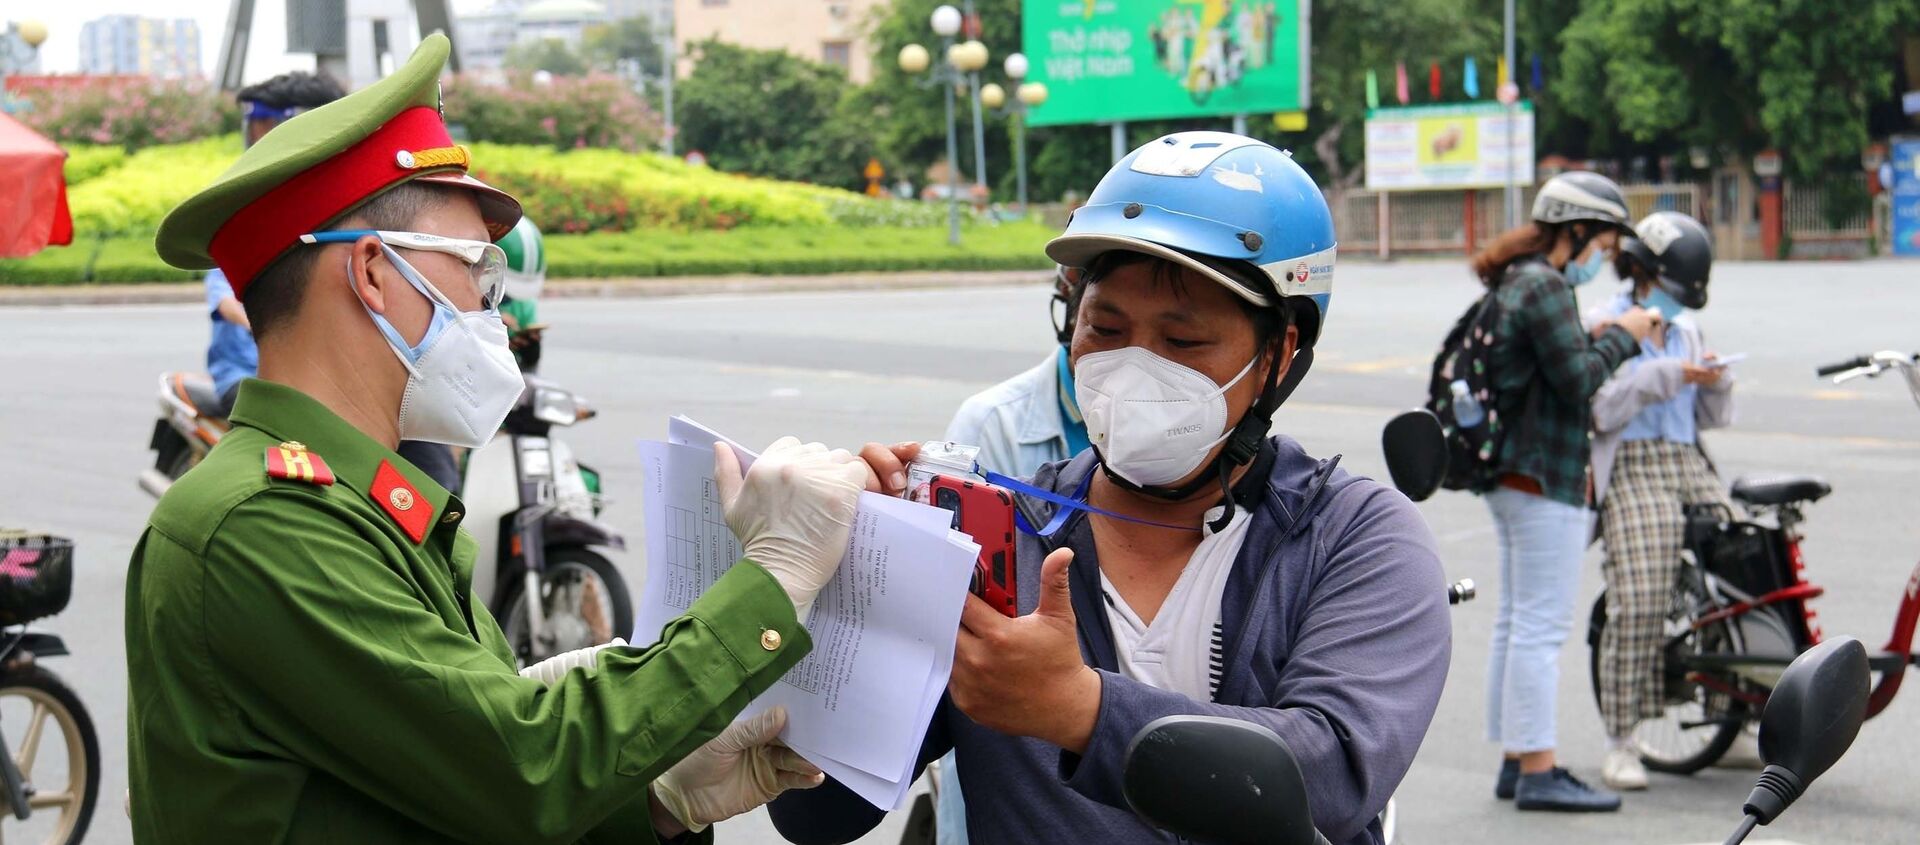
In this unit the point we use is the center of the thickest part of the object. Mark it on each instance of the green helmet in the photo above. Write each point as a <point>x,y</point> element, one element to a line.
<point>526,260</point>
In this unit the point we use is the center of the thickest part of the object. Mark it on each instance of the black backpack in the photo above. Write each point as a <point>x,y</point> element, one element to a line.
<point>1472,451</point>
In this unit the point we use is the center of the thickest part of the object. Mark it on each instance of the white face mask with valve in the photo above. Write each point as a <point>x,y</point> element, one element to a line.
<point>461,377</point>
<point>1154,421</point>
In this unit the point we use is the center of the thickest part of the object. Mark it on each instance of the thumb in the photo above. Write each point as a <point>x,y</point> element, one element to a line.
<point>726,473</point>
<point>1056,599</point>
<point>753,732</point>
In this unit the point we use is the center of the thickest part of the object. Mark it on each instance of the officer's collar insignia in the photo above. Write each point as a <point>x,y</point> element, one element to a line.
<point>403,504</point>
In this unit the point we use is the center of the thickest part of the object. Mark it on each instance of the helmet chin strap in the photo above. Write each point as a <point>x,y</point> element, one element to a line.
<point>1241,448</point>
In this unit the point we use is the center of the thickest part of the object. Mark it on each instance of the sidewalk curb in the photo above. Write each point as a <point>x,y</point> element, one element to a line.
<point>189,292</point>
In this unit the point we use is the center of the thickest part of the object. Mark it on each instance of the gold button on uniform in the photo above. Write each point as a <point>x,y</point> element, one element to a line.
<point>401,498</point>
<point>770,639</point>
<point>451,518</point>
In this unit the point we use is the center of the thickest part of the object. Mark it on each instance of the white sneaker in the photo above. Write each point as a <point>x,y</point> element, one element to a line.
<point>1622,770</point>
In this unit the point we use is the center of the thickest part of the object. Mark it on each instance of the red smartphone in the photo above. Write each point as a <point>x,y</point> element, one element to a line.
<point>985,513</point>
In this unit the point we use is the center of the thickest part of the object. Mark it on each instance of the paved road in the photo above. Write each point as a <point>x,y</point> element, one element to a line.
<point>847,367</point>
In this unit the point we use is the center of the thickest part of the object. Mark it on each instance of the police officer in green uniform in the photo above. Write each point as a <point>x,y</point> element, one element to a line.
<point>306,659</point>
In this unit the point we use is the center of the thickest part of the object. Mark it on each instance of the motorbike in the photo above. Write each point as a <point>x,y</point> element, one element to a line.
<point>191,422</point>
<point>48,789</point>
<point>533,510</point>
<point>1226,781</point>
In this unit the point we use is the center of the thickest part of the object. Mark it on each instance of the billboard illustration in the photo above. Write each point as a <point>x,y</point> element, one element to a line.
<point>1461,145</point>
<point>1119,60</point>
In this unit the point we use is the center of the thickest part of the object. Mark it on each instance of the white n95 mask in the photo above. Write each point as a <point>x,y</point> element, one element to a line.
<point>1153,420</point>
<point>461,377</point>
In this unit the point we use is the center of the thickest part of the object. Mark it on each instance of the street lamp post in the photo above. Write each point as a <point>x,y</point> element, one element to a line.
<point>946,74</point>
<point>1027,95</point>
<point>976,60</point>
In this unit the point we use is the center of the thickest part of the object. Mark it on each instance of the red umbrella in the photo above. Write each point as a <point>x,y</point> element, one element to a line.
<point>33,192</point>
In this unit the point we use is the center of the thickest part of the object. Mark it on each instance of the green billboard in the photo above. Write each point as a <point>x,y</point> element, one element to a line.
<point>1105,61</point>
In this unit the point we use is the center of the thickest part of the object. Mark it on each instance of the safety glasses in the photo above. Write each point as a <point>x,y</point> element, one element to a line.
<point>486,263</point>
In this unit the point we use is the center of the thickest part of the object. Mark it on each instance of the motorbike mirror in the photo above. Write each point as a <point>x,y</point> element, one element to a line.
<point>1811,717</point>
<point>1218,780</point>
<point>1416,450</point>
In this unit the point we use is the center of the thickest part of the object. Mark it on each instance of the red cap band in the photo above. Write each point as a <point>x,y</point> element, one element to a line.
<point>256,235</point>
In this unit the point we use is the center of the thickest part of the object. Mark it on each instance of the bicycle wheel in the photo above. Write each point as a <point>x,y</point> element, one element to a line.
<point>63,783</point>
<point>1697,725</point>
<point>583,603</point>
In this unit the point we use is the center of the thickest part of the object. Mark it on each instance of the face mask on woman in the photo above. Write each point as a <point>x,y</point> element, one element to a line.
<point>1663,302</point>
<point>1154,421</point>
<point>1588,270</point>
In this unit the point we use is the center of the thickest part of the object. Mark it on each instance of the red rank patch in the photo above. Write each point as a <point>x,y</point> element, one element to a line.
<point>408,509</point>
<point>293,461</point>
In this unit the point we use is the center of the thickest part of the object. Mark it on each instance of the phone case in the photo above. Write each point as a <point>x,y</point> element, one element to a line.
<point>985,513</point>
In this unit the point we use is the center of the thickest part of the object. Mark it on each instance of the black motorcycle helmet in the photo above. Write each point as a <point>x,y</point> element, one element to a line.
<point>1677,251</point>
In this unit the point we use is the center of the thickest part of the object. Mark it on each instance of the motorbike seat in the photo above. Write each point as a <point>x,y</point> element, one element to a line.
<point>1780,490</point>
<point>197,390</point>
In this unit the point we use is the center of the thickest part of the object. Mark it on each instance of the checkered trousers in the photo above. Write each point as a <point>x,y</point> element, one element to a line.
<point>1643,522</point>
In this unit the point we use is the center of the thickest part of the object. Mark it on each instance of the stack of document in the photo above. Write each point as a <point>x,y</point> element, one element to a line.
<point>883,629</point>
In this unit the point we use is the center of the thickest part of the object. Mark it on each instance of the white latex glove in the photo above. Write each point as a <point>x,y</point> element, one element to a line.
<point>793,511</point>
<point>742,768</point>
<point>549,670</point>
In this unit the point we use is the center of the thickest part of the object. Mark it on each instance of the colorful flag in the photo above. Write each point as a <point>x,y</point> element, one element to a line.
<point>1539,80</point>
<point>1373,90</point>
<point>1433,80</point>
<point>1501,76</point>
<point>1471,80</point>
<point>1400,82</point>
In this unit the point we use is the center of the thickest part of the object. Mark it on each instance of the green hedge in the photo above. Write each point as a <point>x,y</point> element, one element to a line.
<point>754,250</point>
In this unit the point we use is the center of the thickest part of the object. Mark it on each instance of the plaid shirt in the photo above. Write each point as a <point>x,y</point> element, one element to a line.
<point>1546,367</point>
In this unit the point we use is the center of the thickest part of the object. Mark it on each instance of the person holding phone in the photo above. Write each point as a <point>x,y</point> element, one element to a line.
<point>1648,464</point>
<point>1200,566</point>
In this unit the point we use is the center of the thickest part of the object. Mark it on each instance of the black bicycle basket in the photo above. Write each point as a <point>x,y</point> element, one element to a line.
<point>36,576</point>
<point>1750,557</point>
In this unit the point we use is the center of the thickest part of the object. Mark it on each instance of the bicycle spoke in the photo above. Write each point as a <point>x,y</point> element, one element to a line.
<point>30,744</point>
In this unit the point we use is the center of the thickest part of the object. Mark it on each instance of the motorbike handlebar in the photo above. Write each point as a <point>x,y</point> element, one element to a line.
<point>1834,369</point>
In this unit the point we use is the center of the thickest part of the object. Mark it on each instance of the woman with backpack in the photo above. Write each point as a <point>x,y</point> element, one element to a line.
<point>1544,368</point>
<point>1648,466</point>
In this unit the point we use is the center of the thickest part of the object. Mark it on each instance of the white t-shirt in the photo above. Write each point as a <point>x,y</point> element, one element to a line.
<point>1182,651</point>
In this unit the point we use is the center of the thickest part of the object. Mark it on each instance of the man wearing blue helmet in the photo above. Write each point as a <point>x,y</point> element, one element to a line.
<point>1199,565</point>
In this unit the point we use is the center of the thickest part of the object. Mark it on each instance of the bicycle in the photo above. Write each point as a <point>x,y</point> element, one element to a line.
<point>49,779</point>
<point>1740,610</point>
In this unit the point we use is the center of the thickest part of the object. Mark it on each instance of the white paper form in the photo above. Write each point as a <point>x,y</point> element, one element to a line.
<point>883,628</point>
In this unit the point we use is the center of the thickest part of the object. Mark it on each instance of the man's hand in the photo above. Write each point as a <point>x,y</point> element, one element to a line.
<point>888,466</point>
<point>742,768</point>
<point>1703,376</point>
<point>1025,676</point>
<point>793,511</point>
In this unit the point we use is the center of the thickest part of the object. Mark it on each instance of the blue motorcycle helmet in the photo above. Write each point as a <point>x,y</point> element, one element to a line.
<point>1234,210</point>
<point>1224,205</point>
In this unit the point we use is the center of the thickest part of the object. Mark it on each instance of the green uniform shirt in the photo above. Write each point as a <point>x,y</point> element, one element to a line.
<point>301,670</point>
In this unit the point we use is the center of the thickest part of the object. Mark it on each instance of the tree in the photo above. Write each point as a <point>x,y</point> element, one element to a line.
<point>549,54</point>
<point>1742,76</point>
<point>769,113</point>
<point>606,45</point>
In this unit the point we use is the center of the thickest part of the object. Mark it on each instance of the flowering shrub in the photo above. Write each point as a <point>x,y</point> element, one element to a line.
<point>597,111</point>
<point>129,112</point>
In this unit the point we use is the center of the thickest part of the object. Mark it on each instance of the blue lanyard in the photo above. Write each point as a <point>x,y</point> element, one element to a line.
<point>1065,505</point>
